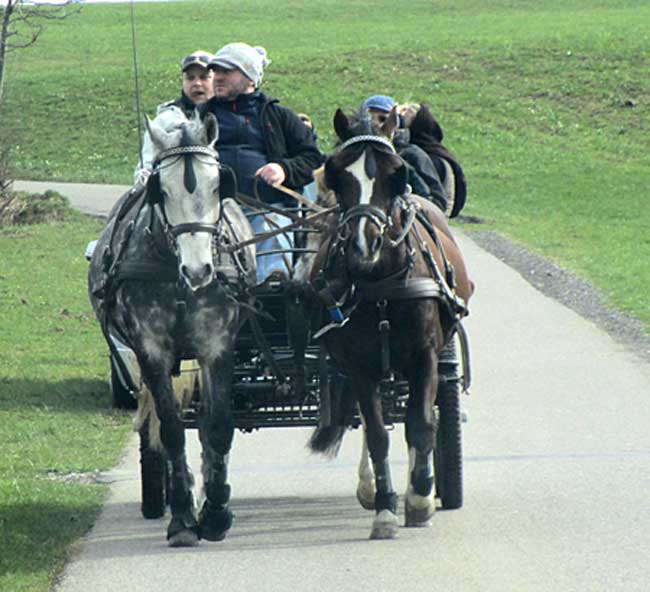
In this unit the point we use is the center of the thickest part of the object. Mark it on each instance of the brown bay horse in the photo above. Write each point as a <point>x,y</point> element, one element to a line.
<point>396,286</point>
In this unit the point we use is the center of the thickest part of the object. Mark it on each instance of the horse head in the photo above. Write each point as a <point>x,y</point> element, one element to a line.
<point>368,179</point>
<point>184,192</point>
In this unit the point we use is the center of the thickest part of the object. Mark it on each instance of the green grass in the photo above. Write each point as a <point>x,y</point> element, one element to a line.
<point>545,103</point>
<point>55,414</point>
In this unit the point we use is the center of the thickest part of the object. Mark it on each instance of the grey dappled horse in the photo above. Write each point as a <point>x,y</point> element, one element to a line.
<point>164,282</point>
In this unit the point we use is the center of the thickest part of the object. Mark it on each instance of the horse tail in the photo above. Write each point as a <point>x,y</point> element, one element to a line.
<point>337,412</point>
<point>146,419</point>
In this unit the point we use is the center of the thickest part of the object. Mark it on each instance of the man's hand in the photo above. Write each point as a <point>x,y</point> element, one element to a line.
<point>272,173</point>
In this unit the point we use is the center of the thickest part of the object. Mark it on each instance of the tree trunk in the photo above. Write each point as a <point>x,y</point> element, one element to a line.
<point>4,37</point>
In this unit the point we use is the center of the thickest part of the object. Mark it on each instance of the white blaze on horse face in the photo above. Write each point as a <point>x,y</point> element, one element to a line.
<point>366,184</point>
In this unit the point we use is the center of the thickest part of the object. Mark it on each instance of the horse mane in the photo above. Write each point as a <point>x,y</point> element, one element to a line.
<point>324,196</point>
<point>193,131</point>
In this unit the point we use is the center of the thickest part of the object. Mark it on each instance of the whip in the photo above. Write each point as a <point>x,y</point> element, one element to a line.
<point>137,85</point>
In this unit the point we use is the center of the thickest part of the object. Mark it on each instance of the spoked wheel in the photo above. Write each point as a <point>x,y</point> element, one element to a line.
<point>122,398</point>
<point>154,478</point>
<point>448,454</point>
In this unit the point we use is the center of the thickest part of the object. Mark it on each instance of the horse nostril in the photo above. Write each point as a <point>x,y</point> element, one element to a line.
<point>184,271</point>
<point>377,244</point>
<point>208,270</point>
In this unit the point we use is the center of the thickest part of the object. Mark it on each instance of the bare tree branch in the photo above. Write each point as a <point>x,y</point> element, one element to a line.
<point>21,25</point>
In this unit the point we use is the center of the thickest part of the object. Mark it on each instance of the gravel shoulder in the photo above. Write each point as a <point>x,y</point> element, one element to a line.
<point>567,288</point>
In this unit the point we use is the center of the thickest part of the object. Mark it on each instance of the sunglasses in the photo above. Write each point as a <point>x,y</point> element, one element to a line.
<point>203,60</point>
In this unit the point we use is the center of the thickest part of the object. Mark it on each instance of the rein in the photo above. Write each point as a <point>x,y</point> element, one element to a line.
<point>306,221</point>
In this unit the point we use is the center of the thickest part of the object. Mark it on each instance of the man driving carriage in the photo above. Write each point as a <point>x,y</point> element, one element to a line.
<point>260,139</point>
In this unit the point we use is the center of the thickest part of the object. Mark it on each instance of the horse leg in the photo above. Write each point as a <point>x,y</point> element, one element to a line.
<point>385,523</point>
<point>298,333</point>
<point>420,437</point>
<point>216,431</point>
<point>366,484</point>
<point>183,528</point>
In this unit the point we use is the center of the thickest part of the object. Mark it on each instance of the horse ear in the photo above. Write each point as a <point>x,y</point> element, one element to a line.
<point>390,125</point>
<point>211,129</point>
<point>341,125</point>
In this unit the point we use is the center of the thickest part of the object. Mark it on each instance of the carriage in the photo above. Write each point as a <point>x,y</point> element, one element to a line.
<point>175,279</point>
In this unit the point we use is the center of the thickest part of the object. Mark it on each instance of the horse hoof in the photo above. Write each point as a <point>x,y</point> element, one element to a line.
<point>214,523</point>
<point>385,526</point>
<point>366,499</point>
<point>418,517</point>
<point>184,538</point>
<point>183,531</point>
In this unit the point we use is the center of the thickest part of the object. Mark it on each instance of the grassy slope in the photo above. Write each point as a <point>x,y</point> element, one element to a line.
<point>544,103</point>
<point>533,100</point>
<point>55,416</point>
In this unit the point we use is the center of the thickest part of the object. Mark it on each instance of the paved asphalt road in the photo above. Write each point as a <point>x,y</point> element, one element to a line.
<point>557,480</point>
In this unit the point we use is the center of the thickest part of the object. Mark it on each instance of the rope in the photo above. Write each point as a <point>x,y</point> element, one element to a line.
<point>137,84</point>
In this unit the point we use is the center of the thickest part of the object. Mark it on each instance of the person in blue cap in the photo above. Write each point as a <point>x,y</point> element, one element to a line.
<point>422,174</point>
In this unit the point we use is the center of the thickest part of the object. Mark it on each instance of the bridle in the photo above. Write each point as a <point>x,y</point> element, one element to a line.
<point>381,219</point>
<point>173,231</point>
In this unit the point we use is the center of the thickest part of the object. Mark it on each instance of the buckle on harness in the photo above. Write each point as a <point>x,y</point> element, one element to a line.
<point>338,321</point>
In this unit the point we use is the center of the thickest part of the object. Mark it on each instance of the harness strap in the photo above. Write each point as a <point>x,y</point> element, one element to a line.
<point>109,260</point>
<point>398,291</point>
<point>146,270</point>
<point>449,270</point>
<point>384,338</point>
<point>192,227</point>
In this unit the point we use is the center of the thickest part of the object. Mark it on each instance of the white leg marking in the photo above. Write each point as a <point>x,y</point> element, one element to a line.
<point>384,526</point>
<point>417,508</point>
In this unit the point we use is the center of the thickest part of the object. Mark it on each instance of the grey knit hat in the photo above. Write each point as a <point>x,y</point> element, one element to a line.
<point>250,60</point>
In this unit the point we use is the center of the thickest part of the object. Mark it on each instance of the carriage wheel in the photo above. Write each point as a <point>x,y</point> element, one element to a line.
<point>122,398</point>
<point>154,478</point>
<point>448,454</point>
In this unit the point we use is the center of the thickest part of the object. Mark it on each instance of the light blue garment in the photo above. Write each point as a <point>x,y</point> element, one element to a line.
<point>309,192</point>
<point>267,264</point>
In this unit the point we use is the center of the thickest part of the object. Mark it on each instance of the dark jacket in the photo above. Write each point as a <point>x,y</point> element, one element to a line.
<point>422,174</point>
<point>427,134</point>
<point>268,131</point>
